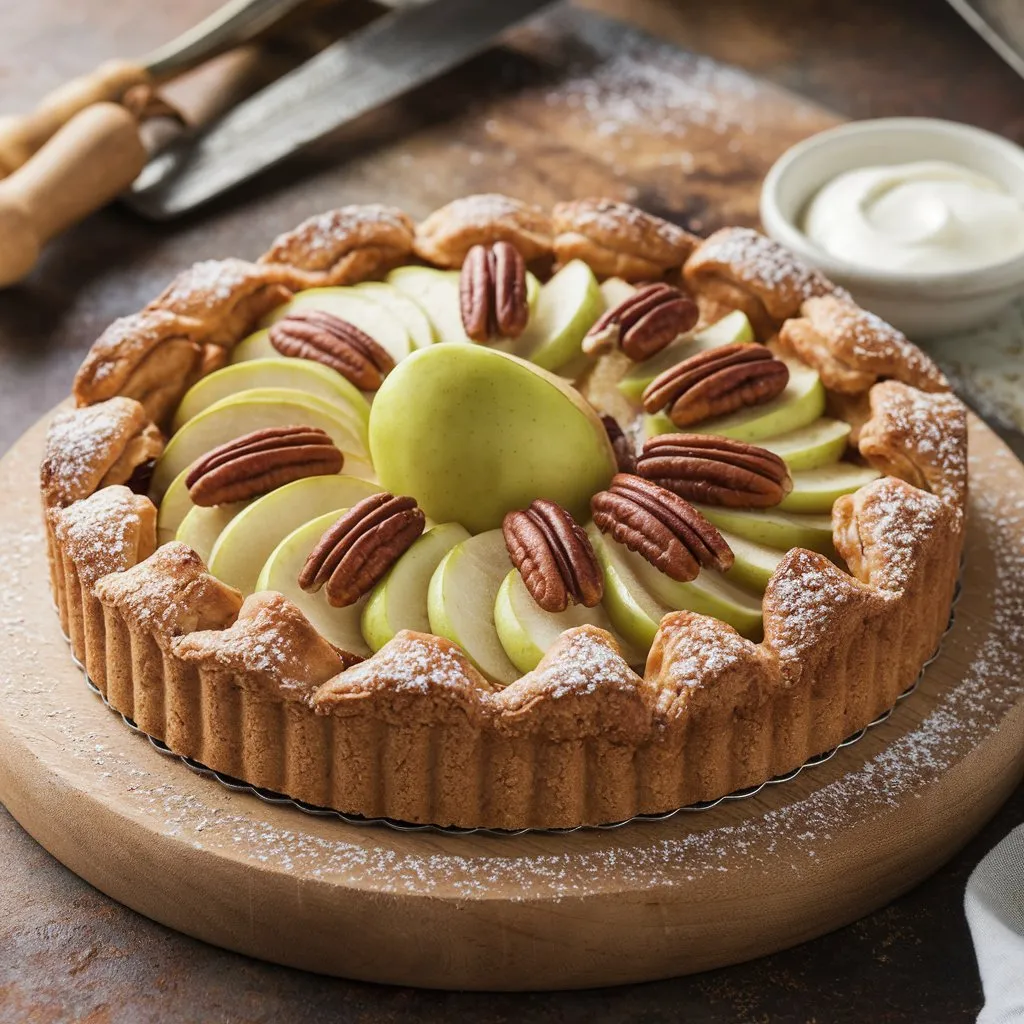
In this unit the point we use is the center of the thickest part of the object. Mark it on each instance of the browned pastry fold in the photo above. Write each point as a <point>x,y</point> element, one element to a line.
<point>619,240</point>
<point>447,235</point>
<point>107,532</point>
<point>227,298</point>
<point>739,268</point>
<point>343,246</point>
<point>851,348</point>
<point>150,356</point>
<point>918,437</point>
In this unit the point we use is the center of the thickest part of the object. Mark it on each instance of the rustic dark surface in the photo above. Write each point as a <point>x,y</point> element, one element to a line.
<point>69,953</point>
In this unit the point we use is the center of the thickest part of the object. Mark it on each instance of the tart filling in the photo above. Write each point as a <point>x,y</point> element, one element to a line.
<point>405,522</point>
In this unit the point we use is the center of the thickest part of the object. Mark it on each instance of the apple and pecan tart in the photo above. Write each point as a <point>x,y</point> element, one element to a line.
<point>509,518</point>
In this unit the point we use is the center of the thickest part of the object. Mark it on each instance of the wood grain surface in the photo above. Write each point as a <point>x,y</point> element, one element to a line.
<point>68,953</point>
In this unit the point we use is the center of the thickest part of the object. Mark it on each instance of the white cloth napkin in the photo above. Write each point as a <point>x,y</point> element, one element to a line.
<point>995,912</point>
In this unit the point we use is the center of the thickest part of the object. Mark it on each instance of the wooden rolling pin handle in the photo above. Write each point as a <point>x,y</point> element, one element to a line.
<point>95,156</point>
<point>21,136</point>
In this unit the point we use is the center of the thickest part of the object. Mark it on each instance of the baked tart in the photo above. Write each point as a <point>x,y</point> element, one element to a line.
<point>509,519</point>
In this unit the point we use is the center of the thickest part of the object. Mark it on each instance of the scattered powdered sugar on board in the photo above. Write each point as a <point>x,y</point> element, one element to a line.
<point>651,856</point>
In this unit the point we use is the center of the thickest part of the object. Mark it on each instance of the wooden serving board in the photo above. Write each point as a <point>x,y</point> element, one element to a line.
<point>575,107</point>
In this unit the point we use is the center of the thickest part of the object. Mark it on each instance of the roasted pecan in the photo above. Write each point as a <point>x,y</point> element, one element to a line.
<point>260,462</point>
<point>715,470</point>
<point>325,338</point>
<point>492,292</point>
<point>715,382</point>
<point>644,323</point>
<point>352,555</point>
<point>625,454</point>
<point>659,525</point>
<point>553,555</point>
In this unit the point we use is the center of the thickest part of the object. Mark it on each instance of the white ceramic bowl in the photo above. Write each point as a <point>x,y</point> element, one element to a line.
<point>920,304</point>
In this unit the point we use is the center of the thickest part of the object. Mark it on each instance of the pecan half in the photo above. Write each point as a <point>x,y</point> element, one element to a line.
<point>715,470</point>
<point>660,526</point>
<point>260,462</point>
<point>715,382</point>
<point>492,292</point>
<point>644,323</point>
<point>327,339</point>
<point>352,555</point>
<point>625,454</point>
<point>554,556</point>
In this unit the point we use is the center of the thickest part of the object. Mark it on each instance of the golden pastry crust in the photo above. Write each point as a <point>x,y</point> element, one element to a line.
<point>150,356</point>
<point>343,246</point>
<point>96,446</point>
<point>226,298</point>
<point>919,437</point>
<point>740,268</point>
<point>852,348</point>
<point>415,732</point>
<point>449,233</point>
<point>619,240</point>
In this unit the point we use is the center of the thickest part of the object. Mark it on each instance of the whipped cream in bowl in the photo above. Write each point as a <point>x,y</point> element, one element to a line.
<point>921,219</point>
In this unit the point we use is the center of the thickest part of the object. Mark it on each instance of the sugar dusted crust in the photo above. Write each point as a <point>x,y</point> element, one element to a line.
<point>415,732</point>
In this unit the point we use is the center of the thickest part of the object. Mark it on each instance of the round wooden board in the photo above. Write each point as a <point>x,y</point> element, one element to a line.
<point>645,901</point>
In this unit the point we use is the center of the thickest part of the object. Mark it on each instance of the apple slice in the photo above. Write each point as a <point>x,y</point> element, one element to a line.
<point>372,318</point>
<point>248,540</point>
<point>754,562</point>
<point>821,443</point>
<point>460,602</point>
<point>281,571</point>
<point>774,527</point>
<point>437,294</point>
<point>280,372</point>
<point>399,601</point>
<point>567,308</point>
<point>815,490</point>
<point>615,291</point>
<point>174,506</point>
<point>526,631</point>
<point>733,328</point>
<point>474,433</point>
<point>800,404</point>
<point>202,526</point>
<point>415,321</point>
<point>254,410</point>
<point>255,346</point>
<point>634,611</point>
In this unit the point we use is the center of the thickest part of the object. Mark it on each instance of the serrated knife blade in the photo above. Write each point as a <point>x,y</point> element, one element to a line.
<point>348,79</point>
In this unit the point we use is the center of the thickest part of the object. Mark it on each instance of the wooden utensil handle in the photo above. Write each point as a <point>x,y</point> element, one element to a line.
<point>22,135</point>
<point>96,155</point>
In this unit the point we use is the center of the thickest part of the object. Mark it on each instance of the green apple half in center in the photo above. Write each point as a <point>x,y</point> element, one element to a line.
<point>472,433</point>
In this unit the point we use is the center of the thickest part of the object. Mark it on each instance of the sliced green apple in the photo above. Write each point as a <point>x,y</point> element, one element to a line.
<point>255,346</point>
<point>774,527</point>
<point>567,308</point>
<point>754,562</point>
<point>473,433</point>
<point>415,321</point>
<point>281,571</point>
<point>437,294</point>
<point>802,402</point>
<point>174,506</point>
<point>247,541</point>
<point>526,631</point>
<point>815,490</point>
<point>297,374</point>
<point>634,611</point>
<point>371,317</point>
<point>615,291</point>
<point>460,602</point>
<point>818,444</point>
<point>202,526</point>
<point>254,410</point>
<point>399,600</point>
<point>733,328</point>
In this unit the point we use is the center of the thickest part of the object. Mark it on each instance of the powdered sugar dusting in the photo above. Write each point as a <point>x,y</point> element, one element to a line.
<point>208,283</point>
<point>318,241</point>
